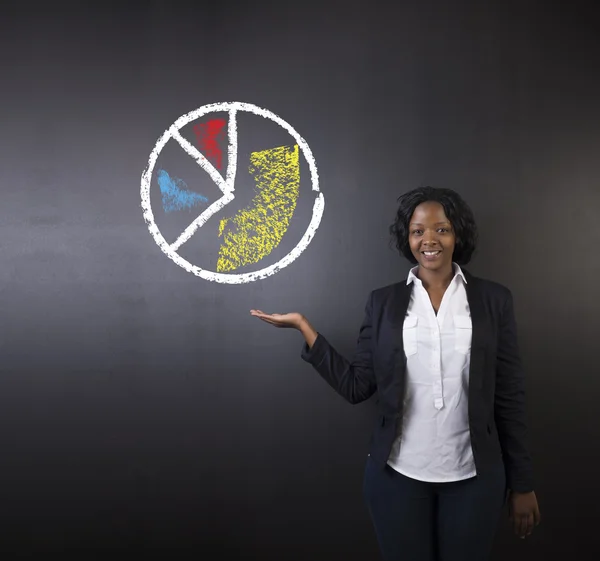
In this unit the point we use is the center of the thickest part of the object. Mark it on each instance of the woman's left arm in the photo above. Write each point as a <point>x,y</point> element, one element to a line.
<point>511,422</point>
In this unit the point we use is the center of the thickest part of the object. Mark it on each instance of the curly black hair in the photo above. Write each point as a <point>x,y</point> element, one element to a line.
<point>456,209</point>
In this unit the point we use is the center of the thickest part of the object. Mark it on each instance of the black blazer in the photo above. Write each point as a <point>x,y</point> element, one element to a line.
<point>497,417</point>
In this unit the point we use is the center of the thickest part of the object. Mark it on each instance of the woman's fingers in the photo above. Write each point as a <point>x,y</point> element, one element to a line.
<point>268,318</point>
<point>530,524</point>
<point>522,525</point>
<point>259,314</point>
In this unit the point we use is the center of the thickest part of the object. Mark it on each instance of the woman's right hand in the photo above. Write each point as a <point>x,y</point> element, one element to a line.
<point>292,319</point>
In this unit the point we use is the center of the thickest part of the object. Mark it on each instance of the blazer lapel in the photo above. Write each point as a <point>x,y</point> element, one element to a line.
<point>478,320</point>
<point>396,311</point>
<point>399,304</point>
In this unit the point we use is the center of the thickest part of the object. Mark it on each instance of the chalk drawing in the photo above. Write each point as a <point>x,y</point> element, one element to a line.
<point>260,227</point>
<point>272,169</point>
<point>175,194</point>
<point>209,136</point>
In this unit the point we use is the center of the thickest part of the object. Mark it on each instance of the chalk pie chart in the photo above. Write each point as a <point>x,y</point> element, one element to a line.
<point>246,235</point>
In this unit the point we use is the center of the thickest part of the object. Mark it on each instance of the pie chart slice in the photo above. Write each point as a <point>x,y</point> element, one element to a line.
<point>253,232</point>
<point>210,136</point>
<point>175,193</point>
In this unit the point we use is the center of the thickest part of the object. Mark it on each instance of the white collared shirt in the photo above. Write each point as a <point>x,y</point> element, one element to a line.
<point>435,443</point>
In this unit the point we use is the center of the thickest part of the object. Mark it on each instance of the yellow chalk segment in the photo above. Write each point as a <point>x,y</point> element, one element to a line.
<point>255,231</point>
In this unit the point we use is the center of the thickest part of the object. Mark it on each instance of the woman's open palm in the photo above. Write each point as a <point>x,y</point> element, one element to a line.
<point>292,319</point>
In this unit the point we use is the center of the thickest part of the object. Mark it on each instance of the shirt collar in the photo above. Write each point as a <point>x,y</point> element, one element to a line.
<point>412,275</point>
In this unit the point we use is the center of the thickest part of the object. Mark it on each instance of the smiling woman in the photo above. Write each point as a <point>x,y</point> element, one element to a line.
<point>429,210</point>
<point>440,350</point>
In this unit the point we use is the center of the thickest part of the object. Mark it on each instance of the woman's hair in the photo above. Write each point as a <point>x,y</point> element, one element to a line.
<point>456,209</point>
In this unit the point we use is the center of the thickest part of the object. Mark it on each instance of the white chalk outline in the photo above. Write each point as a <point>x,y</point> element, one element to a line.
<point>227,188</point>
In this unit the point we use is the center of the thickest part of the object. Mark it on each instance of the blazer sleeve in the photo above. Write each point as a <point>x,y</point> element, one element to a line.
<point>509,405</point>
<point>354,380</point>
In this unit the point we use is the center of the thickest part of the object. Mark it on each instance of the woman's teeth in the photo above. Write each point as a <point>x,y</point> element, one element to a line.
<point>430,253</point>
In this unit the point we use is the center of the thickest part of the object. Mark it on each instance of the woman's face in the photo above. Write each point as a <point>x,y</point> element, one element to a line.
<point>431,237</point>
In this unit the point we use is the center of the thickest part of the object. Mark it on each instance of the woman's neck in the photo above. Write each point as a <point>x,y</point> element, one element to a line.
<point>436,280</point>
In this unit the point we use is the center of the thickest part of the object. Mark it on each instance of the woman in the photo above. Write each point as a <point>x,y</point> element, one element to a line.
<point>440,350</point>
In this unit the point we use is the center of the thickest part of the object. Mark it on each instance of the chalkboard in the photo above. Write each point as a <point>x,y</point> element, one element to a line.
<point>143,408</point>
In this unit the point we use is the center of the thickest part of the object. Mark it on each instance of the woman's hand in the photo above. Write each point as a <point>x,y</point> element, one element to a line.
<point>293,319</point>
<point>524,512</point>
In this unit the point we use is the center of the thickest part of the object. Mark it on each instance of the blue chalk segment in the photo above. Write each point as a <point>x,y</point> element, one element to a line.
<point>175,194</point>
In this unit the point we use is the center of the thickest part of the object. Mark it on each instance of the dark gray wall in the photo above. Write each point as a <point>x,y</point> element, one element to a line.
<point>142,409</point>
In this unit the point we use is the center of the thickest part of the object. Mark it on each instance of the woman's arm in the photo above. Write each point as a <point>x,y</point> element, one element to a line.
<point>354,380</point>
<point>509,407</point>
<point>308,332</point>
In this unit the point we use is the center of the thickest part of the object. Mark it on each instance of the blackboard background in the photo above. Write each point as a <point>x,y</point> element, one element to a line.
<point>142,409</point>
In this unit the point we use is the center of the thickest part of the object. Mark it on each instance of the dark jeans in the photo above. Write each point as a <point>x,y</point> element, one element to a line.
<point>418,521</point>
